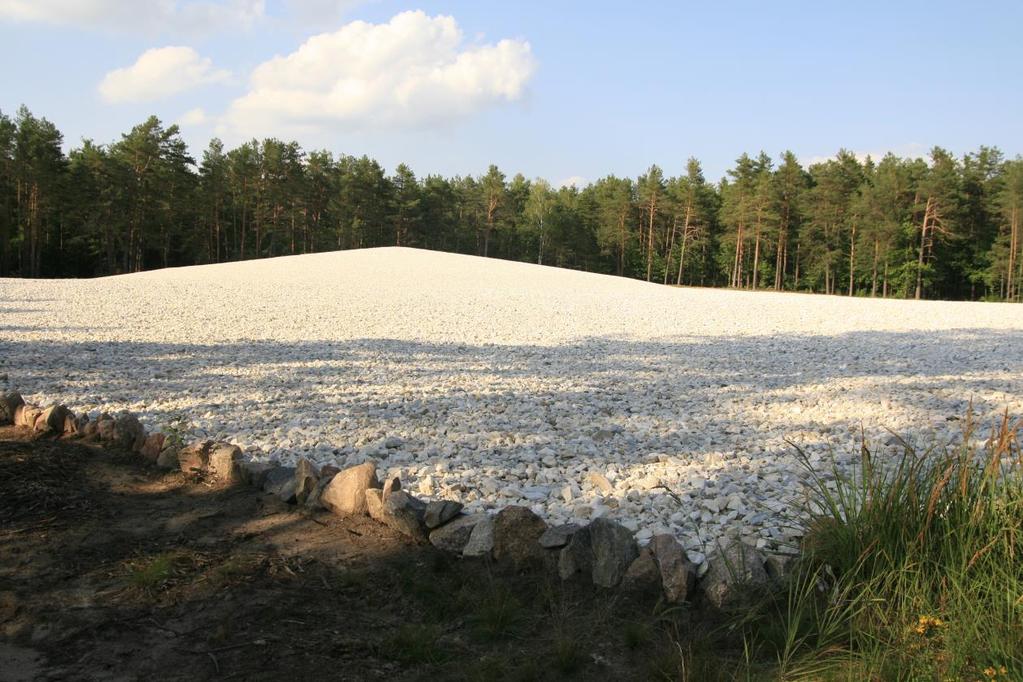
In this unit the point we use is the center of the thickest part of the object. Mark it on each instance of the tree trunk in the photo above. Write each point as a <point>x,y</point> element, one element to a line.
<point>736,266</point>
<point>795,285</point>
<point>756,256</point>
<point>852,259</point>
<point>873,273</point>
<point>923,244</point>
<point>685,238</point>
<point>671,245</point>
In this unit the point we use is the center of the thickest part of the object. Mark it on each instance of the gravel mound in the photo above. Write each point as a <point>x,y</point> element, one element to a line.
<point>495,383</point>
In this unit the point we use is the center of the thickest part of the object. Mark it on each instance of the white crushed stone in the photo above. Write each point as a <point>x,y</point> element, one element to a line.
<point>494,382</point>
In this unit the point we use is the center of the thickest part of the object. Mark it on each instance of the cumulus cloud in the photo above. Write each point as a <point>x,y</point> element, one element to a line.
<point>312,12</point>
<point>412,71</point>
<point>159,73</point>
<point>147,15</point>
<point>193,117</point>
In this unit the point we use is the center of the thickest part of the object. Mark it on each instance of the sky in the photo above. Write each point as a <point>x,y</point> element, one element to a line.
<point>565,90</point>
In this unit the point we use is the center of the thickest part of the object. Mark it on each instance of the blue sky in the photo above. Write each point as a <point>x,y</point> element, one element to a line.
<point>577,89</point>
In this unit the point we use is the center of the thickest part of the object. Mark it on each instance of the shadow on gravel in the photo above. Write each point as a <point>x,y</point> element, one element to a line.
<point>706,401</point>
<point>109,569</point>
<point>321,376</point>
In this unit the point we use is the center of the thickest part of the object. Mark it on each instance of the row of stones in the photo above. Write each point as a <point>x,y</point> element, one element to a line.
<point>603,551</point>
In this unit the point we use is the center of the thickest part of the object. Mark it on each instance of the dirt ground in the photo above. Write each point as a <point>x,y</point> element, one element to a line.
<point>113,570</point>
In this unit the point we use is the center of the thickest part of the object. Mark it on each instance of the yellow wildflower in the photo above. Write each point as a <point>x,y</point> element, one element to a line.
<point>926,623</point>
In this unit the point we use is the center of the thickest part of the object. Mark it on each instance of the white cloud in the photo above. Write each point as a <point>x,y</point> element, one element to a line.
<point>412,71</point>
<point>160,73</point>
<point>147,15</point>
<point>193,117</point>
<point>576,181</point>
<point>313,12</point>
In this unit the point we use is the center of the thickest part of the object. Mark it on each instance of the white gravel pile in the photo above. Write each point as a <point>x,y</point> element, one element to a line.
<point>496,383</point>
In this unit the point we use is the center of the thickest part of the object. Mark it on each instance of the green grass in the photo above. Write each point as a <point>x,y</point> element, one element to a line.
<point>911,569</point>
<point>152,573</point>
<point>416,643</point>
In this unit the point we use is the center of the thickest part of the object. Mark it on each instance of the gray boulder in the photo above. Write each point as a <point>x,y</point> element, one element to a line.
<point>128,432</point>
<point>280,481</point>
<point>105,427</point>
<point>614,550</point>
<point>556,537</point>
<point>517,532</point>
<point>643,575</point>
<point>9,403</point>
<point>307,475</point>
<point>780,568</point>
<point>575,559</point>
<point>454,535</point>
<point>313,500</point>
<point>481,540</point>
<point>735,576</point>
<point>168,458</point>
<point>255,473</point>
<point>440,512</point>
<point>404,513</point>
<point>677,573</point>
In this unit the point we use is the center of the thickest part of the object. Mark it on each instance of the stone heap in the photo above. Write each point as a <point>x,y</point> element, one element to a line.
<point>602,552</point>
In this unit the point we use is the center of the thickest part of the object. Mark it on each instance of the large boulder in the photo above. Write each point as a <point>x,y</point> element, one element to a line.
<point>557,537</point>
<point>128,432</point>
<point>9,403</point>
<point>280,481</point>
<point>375,504</point>
<point>307,475</point>
<point>26,415</point>
<point>313,500</point>
<point>194,458</point>
<point>575,560</point>
<point>517,532</point>
<point>153,446</point>
<point>168,458</point>
<point>643,575</point>
<point>440,512</point>
<point>678,574</point>
<point>614,550</point>
<point>225,462</point>
<point>104,427</point>
<point>735,576</point>
<point>780,569</point>
<point>51,420</point>
<point>403,513</point>
<point>346,493</point>
<point>254,473</point>
<point>454,535</point>
<point>481,540</point>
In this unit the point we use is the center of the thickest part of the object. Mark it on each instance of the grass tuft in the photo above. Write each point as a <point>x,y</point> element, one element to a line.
<point>912,568</point>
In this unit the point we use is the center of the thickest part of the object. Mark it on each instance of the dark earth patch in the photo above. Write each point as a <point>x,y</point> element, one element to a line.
<point>110,569</point>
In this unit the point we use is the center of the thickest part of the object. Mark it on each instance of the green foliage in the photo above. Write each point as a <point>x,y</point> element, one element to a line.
<point>911,569</point>
<point>946,227</point>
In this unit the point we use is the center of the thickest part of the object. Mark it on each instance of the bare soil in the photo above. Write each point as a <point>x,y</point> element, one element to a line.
<point>113,570</point>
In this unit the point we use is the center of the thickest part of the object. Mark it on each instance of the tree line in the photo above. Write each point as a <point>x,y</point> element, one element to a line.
<point>944,227</point>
